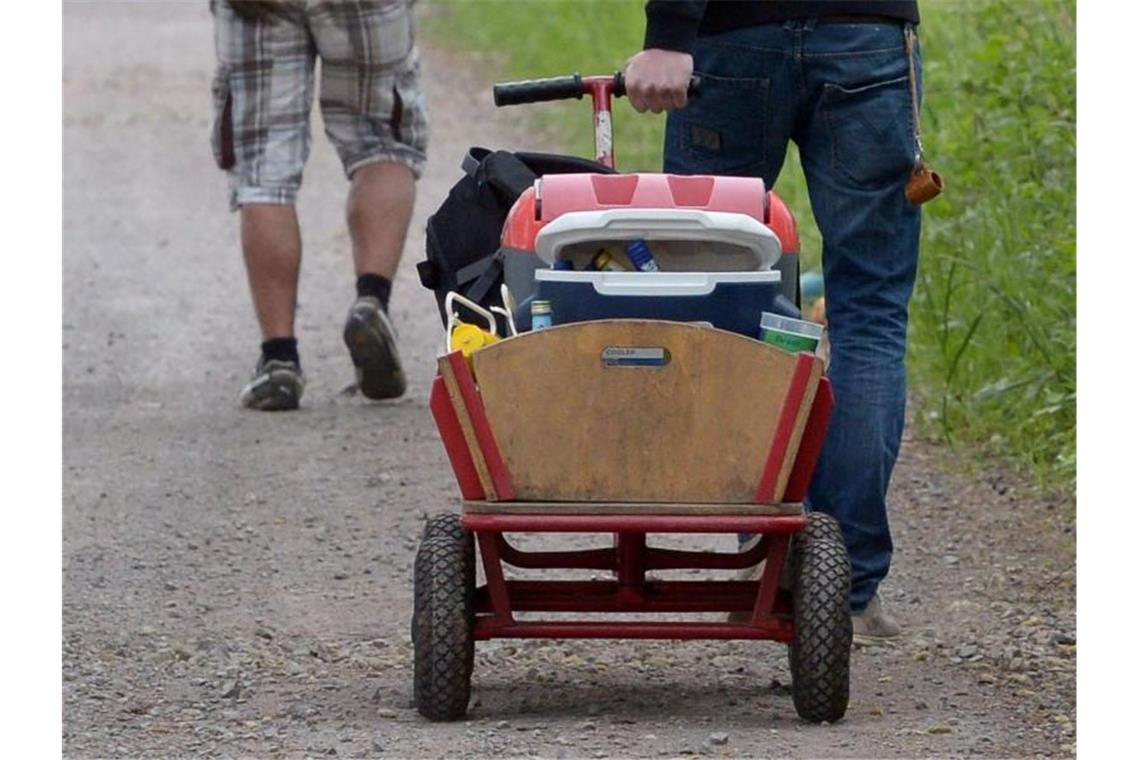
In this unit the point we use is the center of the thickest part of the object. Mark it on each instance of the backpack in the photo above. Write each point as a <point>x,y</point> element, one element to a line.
<point>463,252</point>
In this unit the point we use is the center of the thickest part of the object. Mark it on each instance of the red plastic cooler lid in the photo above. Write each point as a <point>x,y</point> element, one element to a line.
<point>562,193</point>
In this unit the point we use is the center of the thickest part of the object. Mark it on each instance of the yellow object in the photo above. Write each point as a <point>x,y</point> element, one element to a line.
<point>819,312</point>
<point>469,338</point>
<point>606,262</point>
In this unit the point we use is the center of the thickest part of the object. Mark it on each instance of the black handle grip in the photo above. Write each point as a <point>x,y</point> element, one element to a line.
<point>619,85</point>
<point>538,90</point>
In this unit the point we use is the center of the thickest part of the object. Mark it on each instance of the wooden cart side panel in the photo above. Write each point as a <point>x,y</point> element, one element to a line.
<point>454,441</point>
<point>484,437</point>
<point>572,427</point>
<point>815,432</point>
<point>793,418</point>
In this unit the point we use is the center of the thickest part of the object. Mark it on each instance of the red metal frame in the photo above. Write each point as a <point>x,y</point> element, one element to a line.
<point>601,90</point>
<point>631,591</point>
<point>766,491</point>
<point>630,558</point>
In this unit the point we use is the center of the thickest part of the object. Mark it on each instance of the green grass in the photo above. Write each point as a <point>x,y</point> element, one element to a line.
<point>993,320</point>
<point>994,317</point>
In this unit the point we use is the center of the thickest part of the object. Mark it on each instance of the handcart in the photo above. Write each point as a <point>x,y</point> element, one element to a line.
<point>628,427</point>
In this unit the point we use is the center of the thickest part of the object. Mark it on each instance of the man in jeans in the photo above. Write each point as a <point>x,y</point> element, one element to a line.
<point>374,114</point>
<point>833,77</point>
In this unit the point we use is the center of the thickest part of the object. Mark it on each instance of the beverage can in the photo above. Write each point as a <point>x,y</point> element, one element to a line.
<point>541,315</point>
<point>641,257</point>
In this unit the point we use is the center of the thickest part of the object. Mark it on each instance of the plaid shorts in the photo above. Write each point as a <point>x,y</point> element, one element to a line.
<point>370,99</point>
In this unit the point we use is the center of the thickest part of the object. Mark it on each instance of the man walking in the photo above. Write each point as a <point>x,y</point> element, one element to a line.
<point>374,115</point>
<point>835,78</point>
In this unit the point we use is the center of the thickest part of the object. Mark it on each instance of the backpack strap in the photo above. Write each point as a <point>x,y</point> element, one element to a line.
<point>500,169</point>
<point>488,270</point>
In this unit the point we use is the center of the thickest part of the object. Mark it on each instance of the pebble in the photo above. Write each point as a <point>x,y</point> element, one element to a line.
<point>718,738</point>
<point>231,689</point>
<point>386,712</point>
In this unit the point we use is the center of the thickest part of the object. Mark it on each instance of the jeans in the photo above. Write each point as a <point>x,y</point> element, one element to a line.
<point>841,92</point>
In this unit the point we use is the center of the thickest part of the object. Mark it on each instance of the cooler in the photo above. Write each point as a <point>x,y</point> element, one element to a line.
<point>729,300</point>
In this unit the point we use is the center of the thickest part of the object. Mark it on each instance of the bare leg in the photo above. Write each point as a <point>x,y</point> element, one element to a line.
<point>271,241</point>
<point>379,209</point>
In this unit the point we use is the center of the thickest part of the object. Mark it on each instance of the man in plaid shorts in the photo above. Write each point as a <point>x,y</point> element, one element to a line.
<point>374,115</point>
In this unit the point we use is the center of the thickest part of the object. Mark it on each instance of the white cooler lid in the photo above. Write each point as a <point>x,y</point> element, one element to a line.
<point>651,224</point>
<point>655,283</point>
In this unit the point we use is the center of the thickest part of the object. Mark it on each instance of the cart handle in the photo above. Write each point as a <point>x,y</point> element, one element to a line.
<point>571,87</point>
<point>602,89</point>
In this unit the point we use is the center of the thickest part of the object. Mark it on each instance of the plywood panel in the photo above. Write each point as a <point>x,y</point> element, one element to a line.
<point>695,426</point>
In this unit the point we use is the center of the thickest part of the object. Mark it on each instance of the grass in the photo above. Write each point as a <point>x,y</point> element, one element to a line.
<point>993,320</point>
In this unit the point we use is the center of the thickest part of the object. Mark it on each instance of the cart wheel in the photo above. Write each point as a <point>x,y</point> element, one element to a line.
<point>443,620</point>
<point>820,652</point>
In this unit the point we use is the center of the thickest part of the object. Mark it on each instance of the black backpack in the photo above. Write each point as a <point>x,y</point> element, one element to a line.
<point>463,252</point>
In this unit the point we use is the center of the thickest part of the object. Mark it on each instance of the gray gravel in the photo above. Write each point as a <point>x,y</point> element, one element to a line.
<point>238,584</point>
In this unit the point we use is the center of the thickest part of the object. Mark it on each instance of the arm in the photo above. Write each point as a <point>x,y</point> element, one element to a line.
<point>657,78</point>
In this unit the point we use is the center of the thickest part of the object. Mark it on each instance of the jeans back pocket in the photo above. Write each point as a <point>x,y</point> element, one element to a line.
<point>869,125</point>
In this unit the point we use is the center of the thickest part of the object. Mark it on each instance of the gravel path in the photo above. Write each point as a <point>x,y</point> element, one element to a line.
<point>239,584</point>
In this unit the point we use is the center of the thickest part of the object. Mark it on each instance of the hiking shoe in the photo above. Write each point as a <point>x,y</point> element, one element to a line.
<point>371,342</point>
<point>873,626</point>
<point>276,386</point>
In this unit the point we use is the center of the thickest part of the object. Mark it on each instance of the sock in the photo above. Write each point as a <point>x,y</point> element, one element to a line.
<point>374,285</point>
<point>281,349</point>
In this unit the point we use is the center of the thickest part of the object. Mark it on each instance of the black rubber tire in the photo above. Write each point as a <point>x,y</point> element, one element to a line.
<point>820,652</point>
<point>443,619</point>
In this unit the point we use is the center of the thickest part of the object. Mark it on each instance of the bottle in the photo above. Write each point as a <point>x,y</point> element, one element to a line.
<point>606,262</point>
<point>541,315</point>
<point>641,256</point>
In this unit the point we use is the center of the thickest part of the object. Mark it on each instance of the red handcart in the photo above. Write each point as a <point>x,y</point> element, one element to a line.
<point>630,428</point>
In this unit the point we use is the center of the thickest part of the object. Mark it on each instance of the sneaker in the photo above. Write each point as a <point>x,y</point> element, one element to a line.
<point>371,342</point>
<point>873,626</point>
<point>275,386</point>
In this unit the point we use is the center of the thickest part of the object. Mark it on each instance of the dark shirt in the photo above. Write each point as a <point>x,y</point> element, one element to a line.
<point>675,24</point>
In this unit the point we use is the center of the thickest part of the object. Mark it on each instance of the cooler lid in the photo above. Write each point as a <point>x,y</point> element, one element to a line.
<point>674,224</point>
<point>656,283</point>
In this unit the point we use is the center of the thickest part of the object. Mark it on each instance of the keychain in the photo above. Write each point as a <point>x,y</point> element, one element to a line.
<point>924,182</point>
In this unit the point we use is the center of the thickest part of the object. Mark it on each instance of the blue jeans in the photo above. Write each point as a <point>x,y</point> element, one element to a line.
<point>841,92</point>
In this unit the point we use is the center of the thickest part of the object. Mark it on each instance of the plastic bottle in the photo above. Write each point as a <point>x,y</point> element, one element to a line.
<point>541,315</point>
<point>641,257</point>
